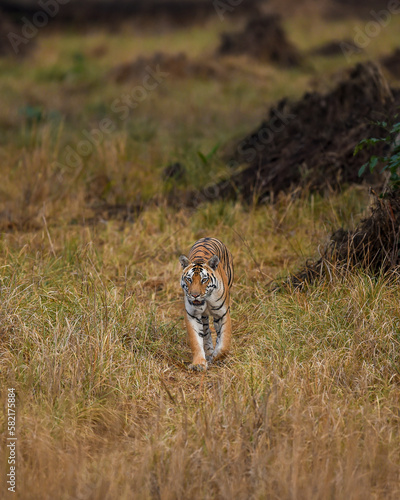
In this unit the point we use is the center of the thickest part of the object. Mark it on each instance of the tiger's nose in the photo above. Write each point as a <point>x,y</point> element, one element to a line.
<point>195,295</point>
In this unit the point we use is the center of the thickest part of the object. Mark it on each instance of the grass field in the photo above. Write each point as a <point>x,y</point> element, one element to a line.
<point>307,405</point>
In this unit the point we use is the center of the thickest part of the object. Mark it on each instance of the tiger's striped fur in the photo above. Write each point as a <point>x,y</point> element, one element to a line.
<point>206,281</point>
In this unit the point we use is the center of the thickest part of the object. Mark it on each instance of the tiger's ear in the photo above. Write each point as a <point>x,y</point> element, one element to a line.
<point>184,261</point>
<point>213,262</point>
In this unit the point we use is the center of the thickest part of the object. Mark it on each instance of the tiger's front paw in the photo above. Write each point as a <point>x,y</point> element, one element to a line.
<point>215,356</point>
<point>198,367</point>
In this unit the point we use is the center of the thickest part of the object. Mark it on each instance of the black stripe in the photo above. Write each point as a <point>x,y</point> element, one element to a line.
<point>219,307</point>
<point>219,319</point>
<point>220,297</point>
<point>194,317</point>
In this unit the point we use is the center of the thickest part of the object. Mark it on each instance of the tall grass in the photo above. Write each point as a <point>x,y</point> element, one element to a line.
<point>92,338</point>
<point>91,319</point>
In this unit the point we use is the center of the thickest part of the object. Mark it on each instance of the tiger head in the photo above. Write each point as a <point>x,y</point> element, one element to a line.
<point>198,279</point>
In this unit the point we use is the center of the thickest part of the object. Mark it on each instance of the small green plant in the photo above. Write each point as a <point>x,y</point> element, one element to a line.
<point>32,114</point>
<point>208,157</point>
<point>391,159</point>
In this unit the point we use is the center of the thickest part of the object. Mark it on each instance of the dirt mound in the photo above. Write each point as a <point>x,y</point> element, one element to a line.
<point>7,29</point>
<point>175,65</point>
<point>373,245</point>
<point>392,63</point>
<point>331,9</point>
<point>310,143</point>
<point>264,39</point>
<point>357,8</point>
<point>147,12</point>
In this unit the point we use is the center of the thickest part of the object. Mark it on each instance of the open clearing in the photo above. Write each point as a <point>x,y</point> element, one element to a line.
<point>307,405</point>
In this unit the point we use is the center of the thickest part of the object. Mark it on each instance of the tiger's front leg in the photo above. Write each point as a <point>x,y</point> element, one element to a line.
<point>223,329</point>
<point>207,338</point>
<point>194,328</point>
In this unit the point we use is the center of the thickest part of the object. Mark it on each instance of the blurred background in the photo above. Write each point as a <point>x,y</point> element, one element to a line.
<point>112,104</point>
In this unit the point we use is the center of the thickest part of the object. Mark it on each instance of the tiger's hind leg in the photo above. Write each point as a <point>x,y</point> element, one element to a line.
<point>207,339</point>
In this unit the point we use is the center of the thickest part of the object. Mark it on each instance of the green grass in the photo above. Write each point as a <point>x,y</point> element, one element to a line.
<point>91,316</point>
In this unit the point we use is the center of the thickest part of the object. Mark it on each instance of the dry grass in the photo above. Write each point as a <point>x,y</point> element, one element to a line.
<point>91,323</point>
<point>306,405</point>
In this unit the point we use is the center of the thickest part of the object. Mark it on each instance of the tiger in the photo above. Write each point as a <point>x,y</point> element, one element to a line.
<point>206,281</point>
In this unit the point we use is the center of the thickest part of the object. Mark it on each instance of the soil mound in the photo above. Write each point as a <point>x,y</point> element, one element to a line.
<point>310,143</point>
<point>147,12</point>
<point>356,8</point>
<point>392,63</point>
<point>175,65</point>
<point>373,245</point>
<point>264,39</point>
<point>7,28</point>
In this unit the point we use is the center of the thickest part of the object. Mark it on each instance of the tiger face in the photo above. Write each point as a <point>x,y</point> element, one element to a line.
<point>198,279</point>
